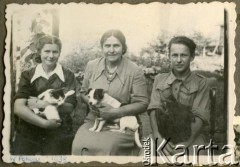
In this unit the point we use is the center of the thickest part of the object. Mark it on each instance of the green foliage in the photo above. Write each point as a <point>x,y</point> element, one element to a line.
<point>159,46</point>
<point>155,55</point>
<point>209,74</point>
<point>200,41</point>
<point>77,60</point>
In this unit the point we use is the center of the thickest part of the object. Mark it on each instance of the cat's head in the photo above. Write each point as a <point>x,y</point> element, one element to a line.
<point>53,96</point>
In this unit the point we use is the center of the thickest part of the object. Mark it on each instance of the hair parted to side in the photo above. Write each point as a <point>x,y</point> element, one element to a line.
<point>117,34</point>
<point>185,41</point>
<point>46,39</point>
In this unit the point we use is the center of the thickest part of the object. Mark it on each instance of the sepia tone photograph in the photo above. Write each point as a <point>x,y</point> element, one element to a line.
<point>127,83</point>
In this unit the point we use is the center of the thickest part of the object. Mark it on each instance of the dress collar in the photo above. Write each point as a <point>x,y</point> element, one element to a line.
<point>39,72</point>
<point>120,70</point>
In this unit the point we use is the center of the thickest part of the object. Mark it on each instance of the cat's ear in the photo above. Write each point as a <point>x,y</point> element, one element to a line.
<point>59,92</point>
<point>42,95</point>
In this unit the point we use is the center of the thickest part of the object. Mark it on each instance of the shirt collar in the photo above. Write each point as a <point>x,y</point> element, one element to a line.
<point>120,69</point>
<point>39,72</point>
<point>171,78</point>
<point>188,81</point>
<point>188,78</point>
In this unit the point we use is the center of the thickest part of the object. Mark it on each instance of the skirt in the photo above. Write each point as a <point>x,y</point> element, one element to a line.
<point>103,143</point>
<point>33,140</point>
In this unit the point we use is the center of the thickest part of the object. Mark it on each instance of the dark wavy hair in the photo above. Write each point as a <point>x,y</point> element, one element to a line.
<point>46,39</point>
<point>117,34</point>
<point>185,41</point>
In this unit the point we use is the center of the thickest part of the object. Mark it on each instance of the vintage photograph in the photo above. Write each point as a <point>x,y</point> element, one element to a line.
<point>131,82</point>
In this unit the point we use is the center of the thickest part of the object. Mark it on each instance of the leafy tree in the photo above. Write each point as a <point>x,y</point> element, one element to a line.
<point>78,59</point>
<point>201,42</point>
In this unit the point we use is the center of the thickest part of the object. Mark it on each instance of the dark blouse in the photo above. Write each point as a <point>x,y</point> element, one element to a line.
<point>41,84</point>
<point>27,88</point>
<point>31,139</point>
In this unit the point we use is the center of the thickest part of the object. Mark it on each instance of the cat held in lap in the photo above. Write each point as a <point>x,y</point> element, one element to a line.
<point>174,121</point>
<point>55,98</point>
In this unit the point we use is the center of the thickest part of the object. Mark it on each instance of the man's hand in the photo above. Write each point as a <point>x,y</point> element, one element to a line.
<point>107,112</point>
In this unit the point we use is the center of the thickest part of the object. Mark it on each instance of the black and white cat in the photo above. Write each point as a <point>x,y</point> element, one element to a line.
<point>55,98</point>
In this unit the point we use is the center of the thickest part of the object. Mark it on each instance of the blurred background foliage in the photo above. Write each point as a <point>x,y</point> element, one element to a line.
<point>153,59</point>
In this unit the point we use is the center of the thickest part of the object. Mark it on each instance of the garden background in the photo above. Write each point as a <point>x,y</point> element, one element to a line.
<point>148,31</point>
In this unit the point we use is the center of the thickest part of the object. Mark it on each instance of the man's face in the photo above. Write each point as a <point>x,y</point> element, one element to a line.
<point>180,57</point>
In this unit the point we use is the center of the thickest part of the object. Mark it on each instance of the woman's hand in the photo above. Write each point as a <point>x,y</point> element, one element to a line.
<point>34,102</point>
<point>107,112</point>
<point>51,124</point>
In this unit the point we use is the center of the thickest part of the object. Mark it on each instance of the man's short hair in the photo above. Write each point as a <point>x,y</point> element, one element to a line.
<point>185,41</point>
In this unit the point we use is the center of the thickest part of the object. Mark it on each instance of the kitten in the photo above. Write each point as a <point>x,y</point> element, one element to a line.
<point>55,98</point>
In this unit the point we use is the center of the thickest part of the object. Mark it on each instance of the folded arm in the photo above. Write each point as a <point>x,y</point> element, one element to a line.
<point>26,114</point>
<point>107,112</point>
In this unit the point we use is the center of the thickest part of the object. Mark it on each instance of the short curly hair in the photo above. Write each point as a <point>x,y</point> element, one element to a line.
<point>46,39</point>
<point>185,41</point>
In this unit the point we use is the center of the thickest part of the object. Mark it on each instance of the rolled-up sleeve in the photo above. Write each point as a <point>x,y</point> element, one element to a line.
<point>201,102</point>
<point>155,102</point>
<point>139,88</point>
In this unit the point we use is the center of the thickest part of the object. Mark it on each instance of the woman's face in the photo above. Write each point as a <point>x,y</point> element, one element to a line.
<point>112,49</point>
<point>50,54</point>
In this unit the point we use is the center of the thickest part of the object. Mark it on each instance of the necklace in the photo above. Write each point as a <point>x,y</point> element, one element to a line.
<point>110,73</point>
